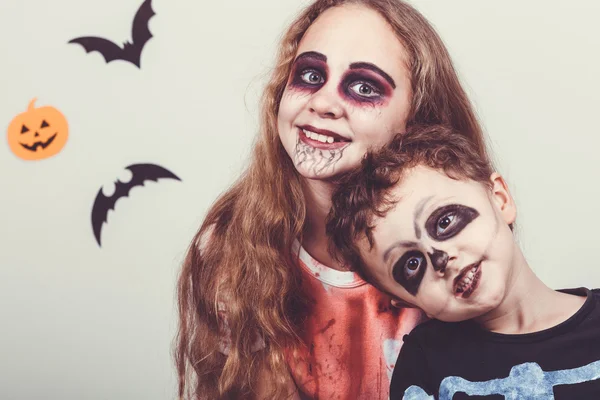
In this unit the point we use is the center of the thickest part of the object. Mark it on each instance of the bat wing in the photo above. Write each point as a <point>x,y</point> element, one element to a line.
<point>140,33</point>
<point>102,205</point>
<point>144,172</point>
<point>109,50</point>
<point>139,174</point>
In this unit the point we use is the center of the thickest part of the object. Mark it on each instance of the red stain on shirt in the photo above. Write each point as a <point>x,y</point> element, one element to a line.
<point>353,335</point>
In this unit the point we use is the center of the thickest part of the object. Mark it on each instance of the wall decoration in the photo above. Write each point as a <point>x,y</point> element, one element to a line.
<point>37,133</point>
<point>139,174</point>
<point>131,51</point>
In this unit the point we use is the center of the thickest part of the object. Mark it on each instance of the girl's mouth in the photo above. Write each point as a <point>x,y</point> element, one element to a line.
<point>467,281</point>
<point>322,139</point>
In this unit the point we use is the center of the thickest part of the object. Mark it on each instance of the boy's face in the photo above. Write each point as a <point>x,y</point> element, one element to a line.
<point>446,247</point>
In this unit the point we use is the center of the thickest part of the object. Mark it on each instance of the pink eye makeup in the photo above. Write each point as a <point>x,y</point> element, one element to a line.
<point>363,84</point>
<point>309,72</point>
<point>363,89</point>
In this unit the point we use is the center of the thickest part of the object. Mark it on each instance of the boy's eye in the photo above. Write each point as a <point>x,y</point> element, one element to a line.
<point>409,270</point>
<point>312,77</point>
<point>448,221</point>
<point>413,264</point>
<point>445,222</point>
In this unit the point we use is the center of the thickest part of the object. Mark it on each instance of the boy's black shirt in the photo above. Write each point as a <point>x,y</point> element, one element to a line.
<point>452,361</point>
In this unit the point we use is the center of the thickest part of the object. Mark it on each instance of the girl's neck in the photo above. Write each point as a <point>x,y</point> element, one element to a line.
<point>318,203</point>
<point>529,305</point>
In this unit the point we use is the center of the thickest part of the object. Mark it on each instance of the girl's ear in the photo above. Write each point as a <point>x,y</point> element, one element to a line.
<point>503,199</point>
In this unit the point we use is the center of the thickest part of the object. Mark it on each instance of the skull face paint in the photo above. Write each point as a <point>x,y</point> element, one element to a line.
<point>448,221</point>
<point>444,247</point>
<point>439,259</point>
<point>443,224</point>
<point>409,270</point>
<point>348,91</point>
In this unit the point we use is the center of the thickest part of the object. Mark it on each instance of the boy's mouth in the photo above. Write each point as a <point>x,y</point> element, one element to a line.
<point>467,280</point>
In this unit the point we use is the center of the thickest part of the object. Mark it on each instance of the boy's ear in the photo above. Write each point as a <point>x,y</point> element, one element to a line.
<point>401,304</point>
<point>503,199</point>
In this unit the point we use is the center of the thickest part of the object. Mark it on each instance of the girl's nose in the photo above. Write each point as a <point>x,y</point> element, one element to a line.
<point>326,104</point>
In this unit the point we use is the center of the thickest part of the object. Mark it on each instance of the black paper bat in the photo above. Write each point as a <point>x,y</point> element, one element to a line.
<point>140,34</point>
<point>140,173</point>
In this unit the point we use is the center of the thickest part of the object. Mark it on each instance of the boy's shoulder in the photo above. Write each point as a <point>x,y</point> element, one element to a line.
<point>593,295</point>
<point>436,333</point>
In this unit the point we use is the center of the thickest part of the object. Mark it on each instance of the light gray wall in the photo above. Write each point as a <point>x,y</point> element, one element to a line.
<point>81,321</point>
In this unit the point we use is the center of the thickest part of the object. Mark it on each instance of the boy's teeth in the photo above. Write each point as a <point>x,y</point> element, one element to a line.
<point>466,281</point>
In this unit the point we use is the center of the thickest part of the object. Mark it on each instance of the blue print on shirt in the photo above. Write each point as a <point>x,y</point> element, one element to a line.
<point>525,382</point>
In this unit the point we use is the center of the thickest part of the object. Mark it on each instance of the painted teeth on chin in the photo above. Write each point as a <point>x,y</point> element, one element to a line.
<point>318,137</point>
<point>466,281</point>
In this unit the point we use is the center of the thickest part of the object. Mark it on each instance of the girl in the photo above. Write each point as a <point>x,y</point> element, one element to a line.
<point>264,310</point>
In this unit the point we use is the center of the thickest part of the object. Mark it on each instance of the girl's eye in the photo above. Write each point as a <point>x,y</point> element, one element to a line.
<point>364,89</point>
<point>412,265</point>
<point>312,77</point>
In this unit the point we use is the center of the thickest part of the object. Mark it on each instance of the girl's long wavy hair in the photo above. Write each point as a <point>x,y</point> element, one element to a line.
<point>241,255</point>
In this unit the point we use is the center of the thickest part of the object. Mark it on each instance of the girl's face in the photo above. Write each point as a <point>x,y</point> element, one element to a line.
<point>446,247</point>
<point>349,89</point>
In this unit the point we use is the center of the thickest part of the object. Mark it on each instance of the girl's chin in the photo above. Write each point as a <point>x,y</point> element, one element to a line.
<point>315,175</point>
<point>322,174</point>
<point>318,164</point>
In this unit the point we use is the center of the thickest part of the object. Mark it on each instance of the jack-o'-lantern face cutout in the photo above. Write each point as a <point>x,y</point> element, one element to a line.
<point>37,133</point>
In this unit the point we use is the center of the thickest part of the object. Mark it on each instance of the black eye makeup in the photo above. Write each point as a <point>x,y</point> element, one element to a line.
<point>409,270</point>
<point>448,221</point>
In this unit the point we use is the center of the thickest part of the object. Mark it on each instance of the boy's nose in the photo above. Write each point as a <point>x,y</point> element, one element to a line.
<point>439,259</point>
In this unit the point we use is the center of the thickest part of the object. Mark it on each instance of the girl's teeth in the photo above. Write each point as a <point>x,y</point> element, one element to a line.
<point>318,137</point>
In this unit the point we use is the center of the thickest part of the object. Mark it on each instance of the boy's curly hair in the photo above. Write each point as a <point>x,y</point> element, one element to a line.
<point>364,193</point>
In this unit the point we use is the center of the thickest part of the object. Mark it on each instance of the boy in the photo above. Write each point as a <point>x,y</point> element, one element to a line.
<point>430,223</point>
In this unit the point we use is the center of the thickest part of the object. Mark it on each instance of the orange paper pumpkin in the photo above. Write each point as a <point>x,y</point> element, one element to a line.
<point>37,133</point>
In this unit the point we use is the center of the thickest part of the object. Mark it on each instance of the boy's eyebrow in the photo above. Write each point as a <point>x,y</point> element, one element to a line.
<point>418,211</point>
<point>400,243</point>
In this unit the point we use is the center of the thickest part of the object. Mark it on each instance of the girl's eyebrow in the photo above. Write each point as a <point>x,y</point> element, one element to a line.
<point>313,55</point>
<point>400,243</point>
<point>374,68</point>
